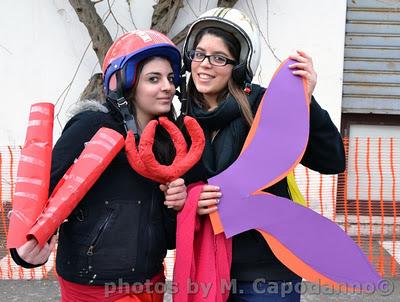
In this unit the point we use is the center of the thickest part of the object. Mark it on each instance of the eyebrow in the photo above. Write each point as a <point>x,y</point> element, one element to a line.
<point>157,73</point>
<point>215,53</point>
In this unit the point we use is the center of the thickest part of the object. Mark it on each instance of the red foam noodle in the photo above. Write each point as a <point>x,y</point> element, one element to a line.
<point>33,175</point>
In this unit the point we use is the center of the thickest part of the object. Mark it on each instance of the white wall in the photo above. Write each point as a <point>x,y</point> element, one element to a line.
<point>42,43</point>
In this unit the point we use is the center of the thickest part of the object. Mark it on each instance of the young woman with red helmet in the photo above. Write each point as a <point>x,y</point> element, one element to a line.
<point>118,235</point>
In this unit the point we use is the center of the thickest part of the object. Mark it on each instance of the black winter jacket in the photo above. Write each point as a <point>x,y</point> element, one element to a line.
<point>252,257</point>
<point>121,229</point>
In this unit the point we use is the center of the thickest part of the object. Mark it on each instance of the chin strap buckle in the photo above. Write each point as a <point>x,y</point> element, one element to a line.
<point>247,88</point>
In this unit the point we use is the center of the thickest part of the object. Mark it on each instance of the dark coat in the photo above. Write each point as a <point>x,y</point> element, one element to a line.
<point>121,229</point>
<point>252,257</point>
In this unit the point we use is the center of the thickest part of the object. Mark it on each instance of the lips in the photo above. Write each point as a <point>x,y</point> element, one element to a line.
<point>204,77</point>
<point>164,100</point>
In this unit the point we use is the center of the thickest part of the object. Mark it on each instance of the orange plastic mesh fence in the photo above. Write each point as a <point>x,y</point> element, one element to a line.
<point>364,201</point>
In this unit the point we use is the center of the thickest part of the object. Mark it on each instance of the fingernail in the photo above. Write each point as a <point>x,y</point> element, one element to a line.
<point>217,200</point>
<point>219,194</point>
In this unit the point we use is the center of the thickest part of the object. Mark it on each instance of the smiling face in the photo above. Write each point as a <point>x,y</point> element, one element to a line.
<point>211,80</point>
<point>154,90</point>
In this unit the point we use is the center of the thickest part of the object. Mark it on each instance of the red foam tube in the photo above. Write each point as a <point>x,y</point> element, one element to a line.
<point>93,160</point>
<point>33,174</point>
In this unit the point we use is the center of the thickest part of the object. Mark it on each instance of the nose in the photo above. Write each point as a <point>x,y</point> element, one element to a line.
<point>206,62</point>
<point>167,85</point>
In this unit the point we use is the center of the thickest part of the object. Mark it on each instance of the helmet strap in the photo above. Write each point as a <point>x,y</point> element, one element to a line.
<point>183,93</point>
<point>247,88</point>
<point>119,102</point>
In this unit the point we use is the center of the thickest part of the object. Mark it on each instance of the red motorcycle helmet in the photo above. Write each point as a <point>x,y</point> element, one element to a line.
<point>131,48</point>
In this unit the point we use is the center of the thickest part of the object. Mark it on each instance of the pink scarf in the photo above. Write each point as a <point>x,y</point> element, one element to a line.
<point>203,260</point>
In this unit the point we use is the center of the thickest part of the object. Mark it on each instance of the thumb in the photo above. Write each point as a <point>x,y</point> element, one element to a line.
<point>163,188</point>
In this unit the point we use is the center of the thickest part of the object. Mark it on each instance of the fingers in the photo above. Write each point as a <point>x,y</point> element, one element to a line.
<point>301,56</point>
<point>304,54</point>
<point>204,211</point>
<point>174,187</point>
<point>176,205</point>
<point>175,194</point>
<point>45,252</point>
<point>305,69</point>
<point>211,188</point>
<point>27,247</point>
<point>210,195</point>
<point>53,242</point>
<point>209,199</point>
<point>205,203</point>
<point>32,253</point>
<point>178,202</point>
<point>174,191</point>
<point>177,182</point>
<point>301,66</point>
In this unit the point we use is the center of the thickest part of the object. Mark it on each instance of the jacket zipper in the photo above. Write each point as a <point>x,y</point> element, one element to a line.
<point>150,227</point>
<point>101,230</point>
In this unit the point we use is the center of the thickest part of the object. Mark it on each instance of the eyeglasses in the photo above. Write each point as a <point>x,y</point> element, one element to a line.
<point>216,60</point>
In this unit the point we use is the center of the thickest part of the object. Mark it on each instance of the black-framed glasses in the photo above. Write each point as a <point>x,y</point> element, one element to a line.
<point>216,60</point>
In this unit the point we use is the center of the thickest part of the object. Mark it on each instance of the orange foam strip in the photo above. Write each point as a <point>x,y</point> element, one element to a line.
<point>291,168</point>
<point>215,218</point>
<point>256,120</point>
<point>297,265</point>
<point>216,223</point>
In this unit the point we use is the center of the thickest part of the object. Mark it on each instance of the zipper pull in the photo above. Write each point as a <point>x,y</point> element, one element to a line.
<point>90,251</point>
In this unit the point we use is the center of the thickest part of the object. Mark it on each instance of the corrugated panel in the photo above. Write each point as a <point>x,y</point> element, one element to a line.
<point>371,79</point>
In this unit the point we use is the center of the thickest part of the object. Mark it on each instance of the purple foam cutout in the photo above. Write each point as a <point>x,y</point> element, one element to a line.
<point>278,143</point>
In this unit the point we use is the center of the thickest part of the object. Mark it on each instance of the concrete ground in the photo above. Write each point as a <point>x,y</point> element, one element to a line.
<point>47,290</point>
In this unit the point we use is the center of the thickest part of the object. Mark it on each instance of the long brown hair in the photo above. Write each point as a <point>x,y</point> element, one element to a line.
<point>232,88</point>
<point>163,147</point>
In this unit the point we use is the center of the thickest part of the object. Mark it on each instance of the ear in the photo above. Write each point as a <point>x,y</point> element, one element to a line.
<point>239,73</point>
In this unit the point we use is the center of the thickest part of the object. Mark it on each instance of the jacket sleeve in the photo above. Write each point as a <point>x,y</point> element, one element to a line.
<point>325,150</point>
<point>78,130</point>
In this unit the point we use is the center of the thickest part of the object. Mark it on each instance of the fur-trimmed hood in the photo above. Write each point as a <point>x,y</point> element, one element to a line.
<point>87,105</point>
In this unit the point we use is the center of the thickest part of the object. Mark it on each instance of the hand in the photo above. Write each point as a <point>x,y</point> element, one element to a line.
<point>305,69</point>
<point>175,194</point>
<point>209,198</point>
<point>32,253</point>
